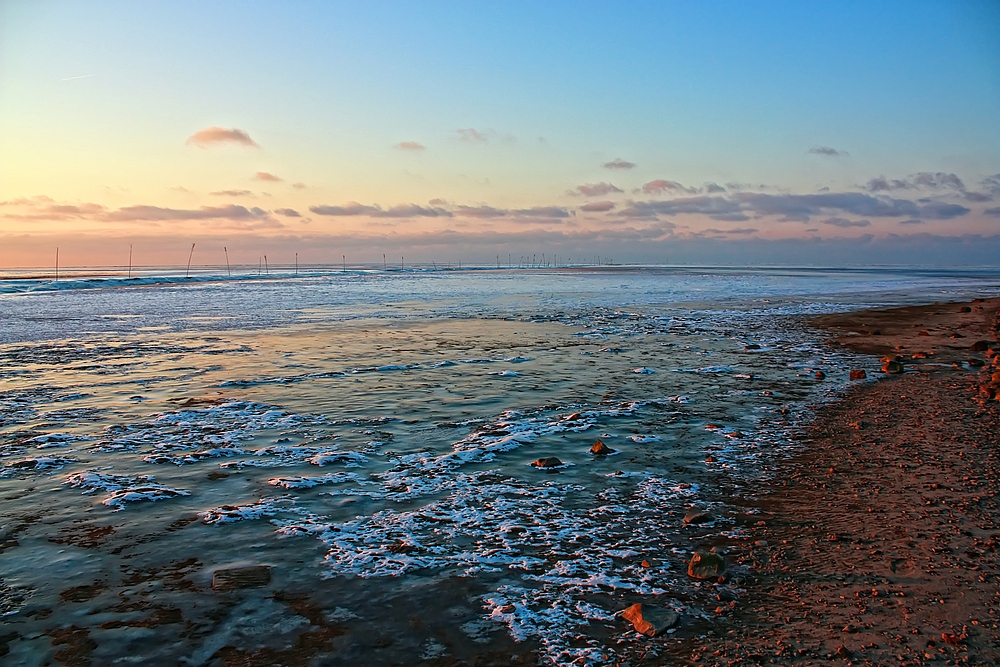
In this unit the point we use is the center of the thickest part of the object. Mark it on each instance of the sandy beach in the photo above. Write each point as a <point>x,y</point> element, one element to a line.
<point>877,544</point>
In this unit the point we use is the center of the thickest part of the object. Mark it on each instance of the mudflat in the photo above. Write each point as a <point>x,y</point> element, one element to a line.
<point>879,544</point>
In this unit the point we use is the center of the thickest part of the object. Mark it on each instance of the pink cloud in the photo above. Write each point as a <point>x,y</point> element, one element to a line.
<point>220,135</point>
<point>411,145</point>
<point>471,134</point>
<point>265,176</point>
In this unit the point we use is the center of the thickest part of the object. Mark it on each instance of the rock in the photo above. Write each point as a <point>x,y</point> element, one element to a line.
<point>919,355</point>
<point>892,367</point>
<point>547,462</point>
<point>600,449</point>
<point>706,565</point>
<point>751,346</point>
<point>858,374</point>
<point>820,375</point>
<point>965,309</point>
<point>980,346</point>
<point>976,363</point>
<point>697,515</point>
<point>651,621</point>
<point>249,576</point>
<point>876,332</point>
<point>924,332</point>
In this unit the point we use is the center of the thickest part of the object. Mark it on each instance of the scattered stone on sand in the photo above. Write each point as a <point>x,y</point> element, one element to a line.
<point>858,374</point>
<point>698,515</point>
<point>650,621</point>
<point>600,449</point>
<point>706,565</point>
<point>547,462</point>
<point>249,576</point>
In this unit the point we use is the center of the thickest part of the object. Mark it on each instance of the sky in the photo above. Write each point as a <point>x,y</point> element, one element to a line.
<point>819,133</point>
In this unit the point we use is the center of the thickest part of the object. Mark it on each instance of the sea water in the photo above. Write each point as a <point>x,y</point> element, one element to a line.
<point>369,436</point>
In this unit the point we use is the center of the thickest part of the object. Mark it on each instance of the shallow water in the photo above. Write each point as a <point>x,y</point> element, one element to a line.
<point>370,437</point>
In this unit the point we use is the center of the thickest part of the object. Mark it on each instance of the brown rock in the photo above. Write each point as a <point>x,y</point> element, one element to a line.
<point>965,309</point>
<point>600,449</point>
<point>250,576</point>
<point>547,462</point>
<point>706,565</point>
<point>980,346</point>
<point>858,374</point>
<point>697,515</point>
<point>976,363</point>
<point>924,332</point>
<point>650,621</point>
<point>820,375</point>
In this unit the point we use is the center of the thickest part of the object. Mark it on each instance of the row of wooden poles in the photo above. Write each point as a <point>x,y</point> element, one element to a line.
<point>262,263</point>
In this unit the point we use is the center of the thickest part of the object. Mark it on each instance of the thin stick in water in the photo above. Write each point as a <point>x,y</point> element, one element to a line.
<point>187,274</point>
<point>130,261</point>
<point>228,270</point>
<point>57,263</point>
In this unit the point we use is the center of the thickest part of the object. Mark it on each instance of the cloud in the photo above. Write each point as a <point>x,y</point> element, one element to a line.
<point>734,231</point>
<point>437,201</point>
<point>299,186</point>
<point>927,180</point>
<point>231,193</point>
<point>710,206</point>
<point>911,221</point>
<point>44,208</point>
<point>598,206</point>
<point>713,188</point>
<point>827,151</point>
<point>160,214</point>
<point>471,134</point>
<point>619,163</point>
<point>659,186</point>
<point>400,211</point>
<point>412,145</point>
<point>993,211</point>
<point>992,183</point>
<point>596,189</point>
<point>486,212</point>
<point>800,207</point>
<point>265,176</point>
<point>480,212</point>
<point>978,197</point>
<point>220,135</point>
<point>288,212</point>
<point>845,223</point>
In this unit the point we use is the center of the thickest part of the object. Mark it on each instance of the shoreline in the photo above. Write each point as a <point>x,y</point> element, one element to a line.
<point>879,542</point>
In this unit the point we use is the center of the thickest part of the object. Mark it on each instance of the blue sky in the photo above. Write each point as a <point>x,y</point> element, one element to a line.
<point>98,101</point>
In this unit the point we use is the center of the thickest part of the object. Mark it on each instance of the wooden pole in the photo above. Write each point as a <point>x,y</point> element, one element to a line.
<point>267,270</point>
<point>187,274</point>
<point>228,270</point>
<point>57,263</point>
<point>130,261</point>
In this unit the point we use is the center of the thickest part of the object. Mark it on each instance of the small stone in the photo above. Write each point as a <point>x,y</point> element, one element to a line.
<point>892,367</point>
<point>709,459</point>
<point>250,576</point>
<point>965,309</point>
<point>706,565</point>
<point>980,346</point>
<point>751,346</point>
<point>976,363</point>
<point>924,332</point>
<point>600,449</point>
<point>697,515</point>
<point>858,374</point>
<point>650,621</point>
<point>645,564</point>
<point>820,375</point>
<point>547,462</point>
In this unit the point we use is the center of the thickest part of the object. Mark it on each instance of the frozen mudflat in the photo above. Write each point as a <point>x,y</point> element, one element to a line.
<point>369,437</point>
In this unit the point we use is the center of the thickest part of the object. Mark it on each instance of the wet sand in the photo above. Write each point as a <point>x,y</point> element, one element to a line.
<point>878,543</point>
